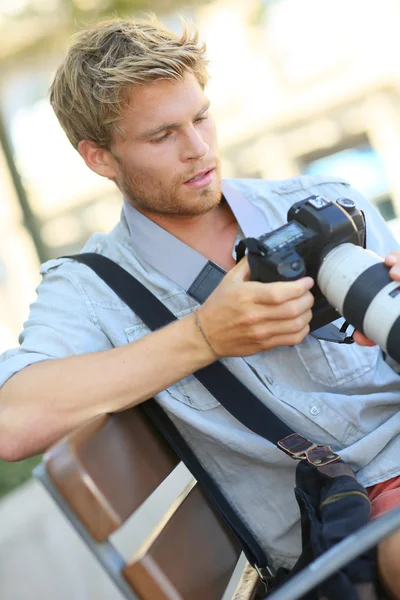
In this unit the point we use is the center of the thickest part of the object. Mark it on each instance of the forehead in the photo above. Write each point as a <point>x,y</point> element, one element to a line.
<point>162,102</point>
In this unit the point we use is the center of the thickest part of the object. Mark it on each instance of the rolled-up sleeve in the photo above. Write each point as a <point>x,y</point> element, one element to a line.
<point>61,323</point>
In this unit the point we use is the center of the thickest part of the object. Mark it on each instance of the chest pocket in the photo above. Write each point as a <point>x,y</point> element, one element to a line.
<point>189,390</point>
<point>334,364</point>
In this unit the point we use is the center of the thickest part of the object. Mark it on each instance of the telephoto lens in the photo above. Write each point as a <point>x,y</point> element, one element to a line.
<point>357,283</point>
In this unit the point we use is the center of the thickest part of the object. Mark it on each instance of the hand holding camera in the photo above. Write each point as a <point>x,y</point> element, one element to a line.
<point>243,317</point>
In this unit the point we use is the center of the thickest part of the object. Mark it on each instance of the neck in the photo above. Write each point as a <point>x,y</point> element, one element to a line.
<point>212,234</point>
<point>193,229</point>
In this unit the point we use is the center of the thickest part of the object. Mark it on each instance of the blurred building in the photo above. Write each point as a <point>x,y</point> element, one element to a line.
<point>297,86</point>
<point>312,87</point>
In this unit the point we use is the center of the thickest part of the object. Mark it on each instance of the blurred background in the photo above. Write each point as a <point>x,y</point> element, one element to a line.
<point>297,87</point>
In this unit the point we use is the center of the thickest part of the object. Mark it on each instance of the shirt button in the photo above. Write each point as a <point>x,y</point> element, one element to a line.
<point>314,410</point>
<point>269,379</point>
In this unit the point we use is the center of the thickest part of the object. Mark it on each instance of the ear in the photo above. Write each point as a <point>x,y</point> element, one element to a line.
<point>98,159</point>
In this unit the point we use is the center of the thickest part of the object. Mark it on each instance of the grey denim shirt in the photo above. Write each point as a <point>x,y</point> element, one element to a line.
<point>343,395</point>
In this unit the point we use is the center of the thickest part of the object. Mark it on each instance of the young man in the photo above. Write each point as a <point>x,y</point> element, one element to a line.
<point>131,99</point>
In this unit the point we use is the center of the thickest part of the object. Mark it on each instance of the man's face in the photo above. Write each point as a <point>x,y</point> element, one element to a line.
<point>166,161</point>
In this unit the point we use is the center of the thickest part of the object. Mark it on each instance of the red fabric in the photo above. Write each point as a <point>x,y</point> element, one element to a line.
<point>384,496</point>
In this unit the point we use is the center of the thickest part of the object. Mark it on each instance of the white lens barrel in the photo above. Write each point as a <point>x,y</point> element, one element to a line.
<point>381,316</point>
<point>357,283</point>
<point>339,270</point>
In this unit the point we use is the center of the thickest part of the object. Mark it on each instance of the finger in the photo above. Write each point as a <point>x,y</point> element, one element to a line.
<point>278,292</point>
<point>392,258</point>
<point>270,329</point>
<point>362,340</point>
<point>289,339</point>
<point>395,273</point>
<point>294,308</point>
<point>240,272</point>
<point>288,310</point>
<point>288,326</point>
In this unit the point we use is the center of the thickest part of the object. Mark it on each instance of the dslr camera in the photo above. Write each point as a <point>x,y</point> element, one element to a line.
<point>326,240</point>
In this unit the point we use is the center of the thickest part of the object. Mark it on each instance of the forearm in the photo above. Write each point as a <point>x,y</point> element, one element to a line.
<point>46,400</point>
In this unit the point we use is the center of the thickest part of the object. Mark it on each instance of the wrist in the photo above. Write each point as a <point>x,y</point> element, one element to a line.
<point>197,350</point>
<point>200,329</point>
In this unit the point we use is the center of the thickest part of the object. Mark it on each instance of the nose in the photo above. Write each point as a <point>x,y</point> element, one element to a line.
<point>194,146</point>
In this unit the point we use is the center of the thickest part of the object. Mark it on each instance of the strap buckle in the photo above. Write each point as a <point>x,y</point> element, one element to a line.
<point>300,448</point>
<point>265,578</point>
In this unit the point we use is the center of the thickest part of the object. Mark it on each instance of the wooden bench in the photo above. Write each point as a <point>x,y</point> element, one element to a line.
<point>102,473</point>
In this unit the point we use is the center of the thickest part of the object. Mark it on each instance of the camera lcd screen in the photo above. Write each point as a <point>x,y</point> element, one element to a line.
<point>284,236</point>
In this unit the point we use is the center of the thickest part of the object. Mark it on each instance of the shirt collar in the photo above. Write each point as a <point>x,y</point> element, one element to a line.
<point>172,257</point>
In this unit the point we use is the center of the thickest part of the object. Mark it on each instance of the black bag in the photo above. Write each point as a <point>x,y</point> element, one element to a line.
<point>333,505</point>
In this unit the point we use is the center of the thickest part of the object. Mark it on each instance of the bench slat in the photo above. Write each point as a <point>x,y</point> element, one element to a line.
<point>107,468</point>
<point>192,557</point>
<point>104,471</point>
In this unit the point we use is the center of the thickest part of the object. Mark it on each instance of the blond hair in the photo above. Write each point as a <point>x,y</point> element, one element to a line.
<point>91,87</point>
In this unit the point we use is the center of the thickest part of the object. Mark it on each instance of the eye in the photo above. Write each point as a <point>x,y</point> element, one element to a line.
<point>160,139</point>
<point>202,118</point>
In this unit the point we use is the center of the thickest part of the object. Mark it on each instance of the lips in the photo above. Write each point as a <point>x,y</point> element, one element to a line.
<point>199,175</point>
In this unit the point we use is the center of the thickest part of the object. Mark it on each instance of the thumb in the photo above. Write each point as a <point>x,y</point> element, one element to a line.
<point>241,271</point>
<point>362,340</point>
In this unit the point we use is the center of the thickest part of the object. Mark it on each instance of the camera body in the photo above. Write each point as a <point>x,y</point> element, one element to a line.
<point>316,225</point>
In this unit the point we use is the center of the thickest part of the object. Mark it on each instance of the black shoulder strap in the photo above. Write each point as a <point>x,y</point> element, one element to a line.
<point>220,382</point>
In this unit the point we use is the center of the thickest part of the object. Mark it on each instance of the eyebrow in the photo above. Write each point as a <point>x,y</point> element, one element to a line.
<point>151,132</point>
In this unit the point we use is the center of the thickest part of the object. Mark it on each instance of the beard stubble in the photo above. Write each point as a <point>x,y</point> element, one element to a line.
<point>154,198</point>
